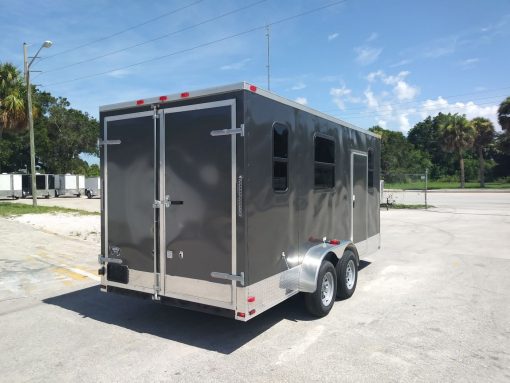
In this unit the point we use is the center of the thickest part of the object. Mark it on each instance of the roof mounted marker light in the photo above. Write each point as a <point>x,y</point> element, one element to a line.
<point>184,94</point>
<point>334,242</point>
<point>163,98</point>
<point>241,315</point>
<point>253,88</point>
<point>251,299</point>
<point>140,102</point>
<point>252,312</point>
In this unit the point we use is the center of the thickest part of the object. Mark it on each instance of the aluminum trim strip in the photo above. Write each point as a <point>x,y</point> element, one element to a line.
<point>233,87</point>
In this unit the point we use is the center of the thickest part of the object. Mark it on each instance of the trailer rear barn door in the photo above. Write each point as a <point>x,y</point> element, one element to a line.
<point>199,221</point>
<point>129,193</point>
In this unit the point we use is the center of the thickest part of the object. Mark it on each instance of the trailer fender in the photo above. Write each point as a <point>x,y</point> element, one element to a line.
<point>313,260</point>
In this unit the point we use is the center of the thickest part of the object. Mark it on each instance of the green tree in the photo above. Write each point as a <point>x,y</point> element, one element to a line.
<point>457,135</point>
<point>504,115</point>
<point>93,171</point>
<point>484,135</point>
<point>399,156</point>
<point>12,99</point>
<point>425,136</point>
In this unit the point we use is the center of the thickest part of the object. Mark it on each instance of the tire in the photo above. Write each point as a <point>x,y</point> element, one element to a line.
<point>316,303</point>
<point>89,194</point>
<point>347,271</point>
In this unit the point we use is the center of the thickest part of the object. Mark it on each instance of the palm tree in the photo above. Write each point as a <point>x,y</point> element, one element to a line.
<point>12,99</point>
<point>457,135</point>
<point>484,135</point>
<point>504,115</point>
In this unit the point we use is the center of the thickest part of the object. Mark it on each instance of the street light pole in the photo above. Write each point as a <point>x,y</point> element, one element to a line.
<point>27,65</point>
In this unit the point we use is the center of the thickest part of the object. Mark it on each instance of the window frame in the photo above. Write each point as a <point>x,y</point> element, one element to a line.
<point>326,164</point>
<point>279,159</point>
<point>370,170</point>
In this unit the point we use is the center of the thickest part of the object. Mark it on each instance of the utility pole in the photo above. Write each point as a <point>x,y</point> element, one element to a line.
<point>30,124</point>
<point>268,34</point>
<point>26,66</point>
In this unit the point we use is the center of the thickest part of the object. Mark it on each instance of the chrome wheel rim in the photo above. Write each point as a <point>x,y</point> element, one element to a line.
<point>350,275</point>
<point>327,288</point>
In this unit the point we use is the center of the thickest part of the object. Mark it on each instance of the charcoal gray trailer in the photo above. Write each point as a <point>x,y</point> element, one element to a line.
<point>10,186</point>
<point>233,199</point>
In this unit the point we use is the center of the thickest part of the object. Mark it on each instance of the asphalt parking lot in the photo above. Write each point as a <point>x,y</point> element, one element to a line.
<point>432,305</point>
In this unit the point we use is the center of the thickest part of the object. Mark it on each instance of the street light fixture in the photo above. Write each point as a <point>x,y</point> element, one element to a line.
<point>27,65</point>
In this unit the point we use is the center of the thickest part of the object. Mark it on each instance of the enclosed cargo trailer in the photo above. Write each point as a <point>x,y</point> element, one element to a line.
<point>44,184</point>
<point>233,199</point>
<point>10,186</point>
<point>92,186</point>
<point>69,185</point>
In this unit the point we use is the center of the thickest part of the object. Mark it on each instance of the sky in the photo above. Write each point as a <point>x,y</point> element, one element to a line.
<point>389,63</point>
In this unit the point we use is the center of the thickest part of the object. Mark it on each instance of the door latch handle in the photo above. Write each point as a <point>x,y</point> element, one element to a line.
<point>176,202</point>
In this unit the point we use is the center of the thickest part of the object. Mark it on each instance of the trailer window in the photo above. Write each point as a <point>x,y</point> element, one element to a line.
<point>370,168</point>
<point>40,182</point>
<point>324,163</point>
<point>280,156</point>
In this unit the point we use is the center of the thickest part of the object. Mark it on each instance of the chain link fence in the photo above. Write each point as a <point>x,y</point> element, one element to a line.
<point>404,189</point>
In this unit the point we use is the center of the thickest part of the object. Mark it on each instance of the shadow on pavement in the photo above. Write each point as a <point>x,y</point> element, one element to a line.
<point>189,327</point>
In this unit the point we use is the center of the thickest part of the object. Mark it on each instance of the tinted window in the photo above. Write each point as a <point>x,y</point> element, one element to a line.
<point>370,168</point>
<point>40,182</point>
<point>324,163</point>
<point>280,157</point>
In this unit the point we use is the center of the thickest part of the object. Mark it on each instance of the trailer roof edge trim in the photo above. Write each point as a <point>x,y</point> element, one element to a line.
<point>229,88</point>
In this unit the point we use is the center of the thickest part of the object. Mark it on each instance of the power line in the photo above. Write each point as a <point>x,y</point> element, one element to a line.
<point>124,30</point>
<point>156,38</point>
<point>212,42</point>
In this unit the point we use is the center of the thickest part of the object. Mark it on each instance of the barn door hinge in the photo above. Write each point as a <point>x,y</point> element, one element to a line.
<point>108,142</point>
<point>232,277</point>
<point>166,203</point>
<point>227,132</point>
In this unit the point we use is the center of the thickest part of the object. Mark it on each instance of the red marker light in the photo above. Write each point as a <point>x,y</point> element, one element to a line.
<point>252,312</point>
<point>251,299</point>
<point>140,102</point>
<point>163,98</point>
<point>253,88</point>
<point>241,315</point>
<point>334,242</point>
<point>184,94</point>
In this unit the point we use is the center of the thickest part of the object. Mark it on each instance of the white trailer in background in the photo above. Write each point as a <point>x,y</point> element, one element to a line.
<point>10,186</point>
<point>92,186</point>
<point>69,185</point>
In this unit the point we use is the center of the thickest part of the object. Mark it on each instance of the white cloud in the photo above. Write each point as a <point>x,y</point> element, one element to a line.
<point>366,55</point>
<point>401,63</point>
<point>333,36</point>
<point>404,91</point>
<point>237,65</point>
<point>373,36</point>
<point>300,85</point>
<point>470,109</point>
<point>383,124</point>
<point>371,100</point>
<point>403,121</point>
<point>301,100</point>
<point>342,95</point>
<point>469,63</point>
<point>119,73</point>
<point>401,89</point>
